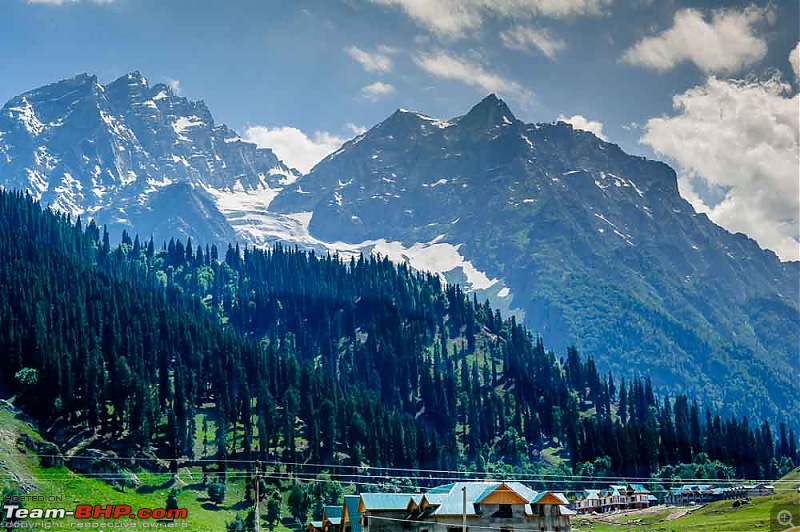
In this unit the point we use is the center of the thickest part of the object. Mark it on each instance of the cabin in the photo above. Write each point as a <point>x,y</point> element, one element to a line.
<point>758,490</point>
<point>588,502</point>
<point>689,494</point>
<point>504,506</point>
<point>385,511</point>
<point>616,497</point>
<point>703,494</point>
<point>351,517</point>
<point>638,496</point>
<point>331,520</point>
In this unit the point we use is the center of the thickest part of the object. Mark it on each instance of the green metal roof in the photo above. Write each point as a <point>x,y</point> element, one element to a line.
<point>449,497</point>
<point>444,488</point>
<point>332,511</point>
<point>353,515</point>
<point>386,501</point>
<point>591,494</point>
<point>539,496</point>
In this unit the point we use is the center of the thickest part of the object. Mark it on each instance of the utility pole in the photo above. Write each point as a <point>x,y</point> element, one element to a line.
<point>258,497</point>
<point>464,509</point>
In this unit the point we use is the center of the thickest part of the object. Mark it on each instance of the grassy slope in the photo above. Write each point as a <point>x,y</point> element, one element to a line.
<point>203,516</point>
<point>790,482</point>
<point>715,517</point>
<point>79,489</point>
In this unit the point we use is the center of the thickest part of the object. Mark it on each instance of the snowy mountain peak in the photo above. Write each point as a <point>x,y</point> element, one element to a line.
<point>488,113</point>
<point>596,246</point>
<point>135,78</point>
<point>116,152</point>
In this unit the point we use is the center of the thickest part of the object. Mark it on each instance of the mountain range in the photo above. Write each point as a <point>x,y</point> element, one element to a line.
<point>589,245</point>
<point>130,155</point>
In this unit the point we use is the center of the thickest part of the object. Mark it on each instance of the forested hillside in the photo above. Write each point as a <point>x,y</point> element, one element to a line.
<point>302,358</point>
<point>594,245</point>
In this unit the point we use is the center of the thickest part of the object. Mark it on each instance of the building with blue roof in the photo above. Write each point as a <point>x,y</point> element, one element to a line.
<point>703,493</point>
<point>501,505</point>
<point>616,497</point>
<point>504,506</point>
<point>351,517</point>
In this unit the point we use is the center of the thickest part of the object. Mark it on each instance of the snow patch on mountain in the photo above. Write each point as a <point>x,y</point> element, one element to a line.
<point>183,123</point>
<point>25,114</point>
<point>434,256</point>
<point>236,201</point>
<point>248,213</point>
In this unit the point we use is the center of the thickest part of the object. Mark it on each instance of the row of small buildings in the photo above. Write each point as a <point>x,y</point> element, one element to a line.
<point>619,497</point>
<point>616,497</point>
<point>504,507</point>
<point>705,493</point>
<point>500,506</point>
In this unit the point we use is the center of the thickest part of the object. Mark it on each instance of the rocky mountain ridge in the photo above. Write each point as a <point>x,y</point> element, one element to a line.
<point>589,245</point>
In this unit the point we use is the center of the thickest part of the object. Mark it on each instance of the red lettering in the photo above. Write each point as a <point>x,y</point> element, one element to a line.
<point>83,511</point>
<point>103,511</point>
<point>122,509</point>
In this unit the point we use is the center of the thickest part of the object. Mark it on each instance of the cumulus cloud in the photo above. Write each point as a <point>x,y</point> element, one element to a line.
<point>175,86</point>
<point>452,18</point>
<point>724,44</point>
<point>740,138</point>
<point>294,147</point>
<point>525,38</point>
<point>583,123</point>
<point>447,66</point>
<point>794,60</point>
<point>354,129</point>
<point>376,91</point>
<point>377,61</point>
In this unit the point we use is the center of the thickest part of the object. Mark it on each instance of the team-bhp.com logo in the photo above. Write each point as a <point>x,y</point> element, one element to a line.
<point>785,517</point>
<point>16,513</point>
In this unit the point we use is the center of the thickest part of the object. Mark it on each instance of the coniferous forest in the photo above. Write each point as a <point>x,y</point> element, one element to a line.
<point>320,359</point>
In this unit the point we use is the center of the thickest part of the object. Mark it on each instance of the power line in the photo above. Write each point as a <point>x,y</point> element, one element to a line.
<point>455,475</point>
<point>352,478</point>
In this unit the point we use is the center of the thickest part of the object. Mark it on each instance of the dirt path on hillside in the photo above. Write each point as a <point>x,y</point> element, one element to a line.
<point>681,513</point>
<point>630,516</point>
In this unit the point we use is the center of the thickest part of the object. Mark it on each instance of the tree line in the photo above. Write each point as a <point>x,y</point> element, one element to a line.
<point>302,357</point>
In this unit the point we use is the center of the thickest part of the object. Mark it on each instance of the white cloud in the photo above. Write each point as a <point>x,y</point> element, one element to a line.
<point>378,61</point>
<point>524,38</point>
<point>726,44</point>
<point>448,66</point>
<point>794,60</point>
<point>294,147</point>
<point>583,123</point>
<point>740,137</point>
<point>376,91</point>
<point>452,18</point>
<point>175,85</point>
<point>354,129</point>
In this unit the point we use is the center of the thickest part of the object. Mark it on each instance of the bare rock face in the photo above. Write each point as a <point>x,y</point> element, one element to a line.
<point>48,452</point>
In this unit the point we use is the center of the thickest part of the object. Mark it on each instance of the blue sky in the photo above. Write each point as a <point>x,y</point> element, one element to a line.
<point>707,86</point>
